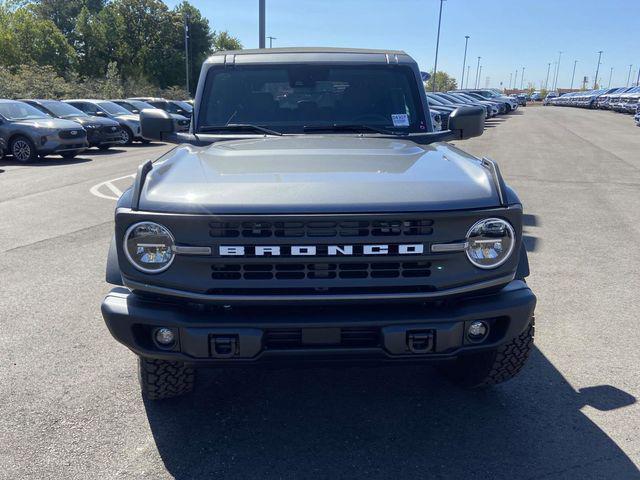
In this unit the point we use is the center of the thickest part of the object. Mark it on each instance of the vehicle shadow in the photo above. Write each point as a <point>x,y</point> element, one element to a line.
<point>387,423</point>
<point>110,151</point>
<point>47,161</point>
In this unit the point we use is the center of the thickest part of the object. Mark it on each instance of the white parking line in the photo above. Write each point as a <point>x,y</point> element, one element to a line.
<point>109,185</point>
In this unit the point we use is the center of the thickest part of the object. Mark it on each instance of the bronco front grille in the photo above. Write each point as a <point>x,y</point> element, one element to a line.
<point>321,229</point>
<point>350,337</point>
<point>319,271</point>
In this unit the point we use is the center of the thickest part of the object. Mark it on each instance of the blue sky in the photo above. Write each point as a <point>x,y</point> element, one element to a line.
<point>506,34</point>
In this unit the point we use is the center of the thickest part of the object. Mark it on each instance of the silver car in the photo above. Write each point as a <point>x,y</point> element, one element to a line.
<point>30,133</point>
<point>129,122</point>
<point>136,106</point>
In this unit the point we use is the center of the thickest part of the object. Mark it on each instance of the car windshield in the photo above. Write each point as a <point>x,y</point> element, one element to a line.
<point>135,105</point>
<point>288,98</point>
<point>113,108</point>
<point>61,109</point>
<point>20,111</point>
<point>183,105</point>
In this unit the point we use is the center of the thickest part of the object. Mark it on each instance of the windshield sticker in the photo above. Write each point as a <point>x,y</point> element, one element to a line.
<point>400,119</point>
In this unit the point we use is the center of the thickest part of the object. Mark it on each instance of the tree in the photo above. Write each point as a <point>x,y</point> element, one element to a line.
<point>444,82</point>
<point>224,41</point>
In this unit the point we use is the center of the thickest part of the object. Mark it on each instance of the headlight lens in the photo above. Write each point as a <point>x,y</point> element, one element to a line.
<point>149,247</point>
<point>490,242</point>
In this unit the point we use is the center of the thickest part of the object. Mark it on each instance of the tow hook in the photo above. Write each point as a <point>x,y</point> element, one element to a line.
<point>420,341</point>
<point>224,346</point>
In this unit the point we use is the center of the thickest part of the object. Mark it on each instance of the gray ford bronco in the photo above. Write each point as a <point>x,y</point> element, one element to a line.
<point>311,215</point>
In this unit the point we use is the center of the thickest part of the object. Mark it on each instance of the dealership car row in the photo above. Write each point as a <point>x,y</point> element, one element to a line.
<point>619,99</point>
<point>32,128</point>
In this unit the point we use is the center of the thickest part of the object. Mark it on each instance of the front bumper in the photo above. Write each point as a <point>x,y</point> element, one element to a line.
<point>345,333</point>
<point>58,145</point>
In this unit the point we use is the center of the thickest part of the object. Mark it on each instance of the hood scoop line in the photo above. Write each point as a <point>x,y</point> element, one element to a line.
<point>492,166</point>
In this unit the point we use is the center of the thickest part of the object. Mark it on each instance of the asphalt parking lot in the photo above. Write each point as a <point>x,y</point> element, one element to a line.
<point>69,401</point>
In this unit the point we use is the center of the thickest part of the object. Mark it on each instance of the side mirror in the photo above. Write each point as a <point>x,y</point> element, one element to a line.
<point>158,125</point>
<point>100,113</point>
<point>467,122</point>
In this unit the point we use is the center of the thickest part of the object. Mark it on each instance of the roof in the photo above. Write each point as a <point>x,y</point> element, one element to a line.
<point>308,50</point>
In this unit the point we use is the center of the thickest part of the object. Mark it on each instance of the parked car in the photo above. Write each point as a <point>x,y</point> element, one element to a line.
<point>637,117</point>
<point>129,122</point>
<point>3,147</point>
<point>536,96</point>
<point>510,104</point>
<point>274,220</point>
<point>603,100</point>
<point>172,106</point>
<point>30,133</point>
<point>451,102</point>
<point>500,105</point>
<point>628,102</point>
<point>460,100</point>
<point>101,132</point>
<point>550,96</point>
<point>521,98</point>
<point>136,106</point>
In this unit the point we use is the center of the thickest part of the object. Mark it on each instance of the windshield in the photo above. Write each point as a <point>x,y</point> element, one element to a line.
<point>113,108</point>
<point>289,97</point>
<point>183,105</point>
<point>20,111</point>
<point>60,109</point>
<point>135,106</point>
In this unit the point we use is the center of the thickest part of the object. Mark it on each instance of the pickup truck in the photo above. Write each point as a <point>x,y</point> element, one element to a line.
<point>310,216</point>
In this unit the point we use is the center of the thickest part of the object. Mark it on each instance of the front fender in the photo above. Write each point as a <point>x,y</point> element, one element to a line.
<point>113,275</point>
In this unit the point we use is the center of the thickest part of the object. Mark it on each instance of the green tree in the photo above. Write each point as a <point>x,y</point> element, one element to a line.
<point>224,41</point>
<point>443,82</point>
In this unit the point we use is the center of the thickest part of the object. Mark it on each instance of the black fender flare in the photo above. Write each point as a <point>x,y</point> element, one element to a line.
<point>113,274</point>
<point>523,263</point>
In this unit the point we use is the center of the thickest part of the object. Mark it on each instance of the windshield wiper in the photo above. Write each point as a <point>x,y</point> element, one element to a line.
<point>337,127</point>
<point>238,126</point>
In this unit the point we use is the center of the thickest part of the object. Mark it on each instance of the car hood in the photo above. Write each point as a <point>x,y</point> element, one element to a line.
<point>129,117</point>
<point>316,173</point>
<point>48,123</point>
<point>93,120</point>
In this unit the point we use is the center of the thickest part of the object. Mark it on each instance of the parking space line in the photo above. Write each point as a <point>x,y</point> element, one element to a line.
<point>108,184</point>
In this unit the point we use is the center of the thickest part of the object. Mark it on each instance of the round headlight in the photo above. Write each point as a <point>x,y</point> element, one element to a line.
<point>490,243</point>
<point>149,247</point>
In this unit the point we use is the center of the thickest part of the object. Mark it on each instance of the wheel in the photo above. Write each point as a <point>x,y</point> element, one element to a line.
<point>104,147</point>
<point>127,136</point>
<point>495,366</point>
<point>160,379</point>
<point>23,149</point>
<point>68,154</point>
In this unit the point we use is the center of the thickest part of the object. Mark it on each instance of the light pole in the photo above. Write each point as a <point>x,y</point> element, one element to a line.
<point>477,72</point>
<point>575,62</point>
<point>468,74</point>
<point>610,75</point>
<point>555,78</point>
<point>638,79</point>
<point>546,82</point>
<point>186,48</point>
<point>595,81</point>
<point>510,78</point>
<point>261,24</point>
<point>479,78</point>
<point>435,64</point>
<point>271,39</point>
<point>515,81</point>
<point>629,76</point>
<point>464,61</point>
<point>522,79</point>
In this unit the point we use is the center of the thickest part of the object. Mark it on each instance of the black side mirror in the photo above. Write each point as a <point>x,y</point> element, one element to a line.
<point>158,125</point>
<point>100,113</point>
<point>467,122</point>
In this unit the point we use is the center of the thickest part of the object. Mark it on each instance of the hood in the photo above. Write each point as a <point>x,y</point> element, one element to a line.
<point>314,174</point>
<point>93,120</point>
<point>48,123</point>
<point>129,117</point>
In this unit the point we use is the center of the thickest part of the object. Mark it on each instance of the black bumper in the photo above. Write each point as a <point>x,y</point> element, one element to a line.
<point>394,333</point>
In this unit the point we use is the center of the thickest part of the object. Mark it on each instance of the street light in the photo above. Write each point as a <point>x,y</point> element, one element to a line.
<point>479,77</point>
<point>464,61</point>
<point>510,77</point>
<point>477,72</point>
<point>629,76</point>
<point>271,39</point>
<point>610,75</point>
<point>595,81</point>
<point>435,65</point>
<point>546,82</point>
<point>573,74</point>
<point>468,74</point>
<point>555,79</point>
<point>522,79</point>
<point>515,81</point>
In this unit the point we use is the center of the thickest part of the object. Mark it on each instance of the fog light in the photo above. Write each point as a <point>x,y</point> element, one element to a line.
<point>477,330</point>
<point>165,336</point>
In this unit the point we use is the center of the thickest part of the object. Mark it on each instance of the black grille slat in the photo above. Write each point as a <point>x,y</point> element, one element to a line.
<point>323,229</point>
<point>319,271</point>
<point>350,337</point>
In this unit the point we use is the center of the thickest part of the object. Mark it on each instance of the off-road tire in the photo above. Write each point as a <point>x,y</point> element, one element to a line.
<point>495,366</point>
<point>160,379</point>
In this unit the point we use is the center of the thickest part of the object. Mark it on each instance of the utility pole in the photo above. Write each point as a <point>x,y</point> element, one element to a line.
<point>271,39</point>
<point>435,64</point>
<point>522,79</point>
<point>475,85</point>
<point>575,62</point>
<point>464,61</point>
<point>555,79</point>
<point>610,75</point>
<point>629,76</point>
<point>468,74</point>
<point>546,82</point>
<point>261,24</point>
<point>595,80</point>
<point>186,48</point>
